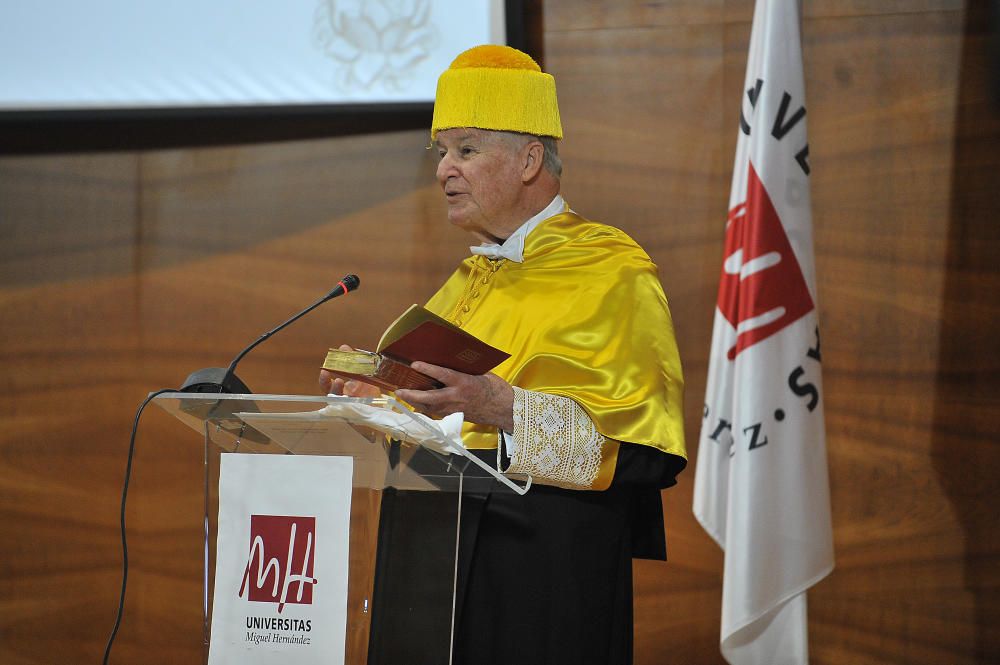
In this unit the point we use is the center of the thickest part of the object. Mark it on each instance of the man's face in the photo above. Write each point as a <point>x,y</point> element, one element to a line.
<point>480,175</point>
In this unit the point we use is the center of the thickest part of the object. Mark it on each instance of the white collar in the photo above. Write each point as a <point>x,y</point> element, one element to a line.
<point>513,247</point>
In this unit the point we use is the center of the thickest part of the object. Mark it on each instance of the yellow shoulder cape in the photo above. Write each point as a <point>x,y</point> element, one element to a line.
<point>584,317</point>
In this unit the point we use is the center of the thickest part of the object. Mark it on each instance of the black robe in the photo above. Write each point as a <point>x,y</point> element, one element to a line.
<point>542,578</point>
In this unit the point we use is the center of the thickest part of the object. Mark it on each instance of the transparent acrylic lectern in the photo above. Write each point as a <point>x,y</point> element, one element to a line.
<point>389,619</point>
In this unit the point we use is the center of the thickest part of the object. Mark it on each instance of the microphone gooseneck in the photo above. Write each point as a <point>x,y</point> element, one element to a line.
<point>219,380</point>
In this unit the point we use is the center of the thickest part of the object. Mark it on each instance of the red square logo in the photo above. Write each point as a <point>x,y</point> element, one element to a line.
<point>280,560</point>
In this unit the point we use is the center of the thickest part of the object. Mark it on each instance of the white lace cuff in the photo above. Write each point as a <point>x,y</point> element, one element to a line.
<point>555,441</point>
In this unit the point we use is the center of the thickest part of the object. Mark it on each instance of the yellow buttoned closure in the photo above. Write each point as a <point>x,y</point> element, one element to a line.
<point>483,270</point>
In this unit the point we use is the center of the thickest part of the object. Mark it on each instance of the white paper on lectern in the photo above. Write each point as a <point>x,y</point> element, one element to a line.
<point>443,436</point>
<point>313,495</point>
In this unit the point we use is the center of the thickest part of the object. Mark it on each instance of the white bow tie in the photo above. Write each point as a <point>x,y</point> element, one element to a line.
<point>495,251</point>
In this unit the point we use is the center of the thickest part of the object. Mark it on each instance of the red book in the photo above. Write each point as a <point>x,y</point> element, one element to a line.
<point>416,335</point>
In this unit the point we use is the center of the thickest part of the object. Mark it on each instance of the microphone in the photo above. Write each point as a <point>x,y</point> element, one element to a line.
<point>220,380</point>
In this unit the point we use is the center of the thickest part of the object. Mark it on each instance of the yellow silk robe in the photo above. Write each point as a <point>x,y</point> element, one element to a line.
<point>584,316</point>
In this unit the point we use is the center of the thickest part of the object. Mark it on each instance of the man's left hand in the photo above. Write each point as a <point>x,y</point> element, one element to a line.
<point>484,399</point>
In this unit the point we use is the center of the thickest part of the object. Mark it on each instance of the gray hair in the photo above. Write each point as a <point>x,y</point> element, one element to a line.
<point>551,161</point>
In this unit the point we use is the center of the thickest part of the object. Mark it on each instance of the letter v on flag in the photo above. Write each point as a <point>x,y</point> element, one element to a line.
<point>761,481</point>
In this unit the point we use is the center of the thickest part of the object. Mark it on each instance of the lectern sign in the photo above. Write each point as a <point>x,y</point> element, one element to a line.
<point>281,569</point>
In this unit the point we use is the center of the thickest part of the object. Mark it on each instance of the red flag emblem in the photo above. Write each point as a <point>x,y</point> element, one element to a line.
<point>762,290</point>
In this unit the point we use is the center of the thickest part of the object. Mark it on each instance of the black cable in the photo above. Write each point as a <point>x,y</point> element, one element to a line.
<point>128,474</point>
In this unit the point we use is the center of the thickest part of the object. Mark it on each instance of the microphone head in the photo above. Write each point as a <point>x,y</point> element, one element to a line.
<point>351,282</point>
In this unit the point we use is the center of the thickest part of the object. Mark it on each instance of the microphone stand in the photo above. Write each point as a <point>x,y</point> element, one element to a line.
<point>209,380</point>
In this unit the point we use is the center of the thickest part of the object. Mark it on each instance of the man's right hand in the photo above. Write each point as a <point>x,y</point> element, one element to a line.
<point>331,384</point>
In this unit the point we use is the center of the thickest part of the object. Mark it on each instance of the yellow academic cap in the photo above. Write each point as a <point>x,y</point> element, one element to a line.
<point>498,88</point>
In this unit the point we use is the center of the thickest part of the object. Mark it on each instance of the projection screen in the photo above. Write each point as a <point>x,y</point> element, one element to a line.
<point>65,55</point>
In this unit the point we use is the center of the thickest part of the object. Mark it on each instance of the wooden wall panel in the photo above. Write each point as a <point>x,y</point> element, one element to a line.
<point>64,218</point>
<point>565,15</point>
<point>884,254</point>
<point>122,272</point>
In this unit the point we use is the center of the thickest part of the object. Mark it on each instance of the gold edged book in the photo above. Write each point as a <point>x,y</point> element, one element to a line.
<point>416,335</point>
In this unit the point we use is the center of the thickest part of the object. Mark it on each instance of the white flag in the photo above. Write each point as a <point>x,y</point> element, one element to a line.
<point>761,484</point>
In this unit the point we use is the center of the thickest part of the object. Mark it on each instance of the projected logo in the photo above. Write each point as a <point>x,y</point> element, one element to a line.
<point>762,290</point>
<point>374,42</point>
<point>280,561</point>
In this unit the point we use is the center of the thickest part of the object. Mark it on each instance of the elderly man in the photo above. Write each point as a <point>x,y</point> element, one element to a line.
<point>588,404</point>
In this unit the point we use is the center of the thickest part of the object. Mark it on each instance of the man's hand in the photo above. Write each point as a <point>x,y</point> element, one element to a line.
<point>485,399</point>
<point>329,383</point>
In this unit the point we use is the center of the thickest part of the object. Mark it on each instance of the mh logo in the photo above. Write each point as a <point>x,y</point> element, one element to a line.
<point>280,560</point>
<point>762,290</point>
